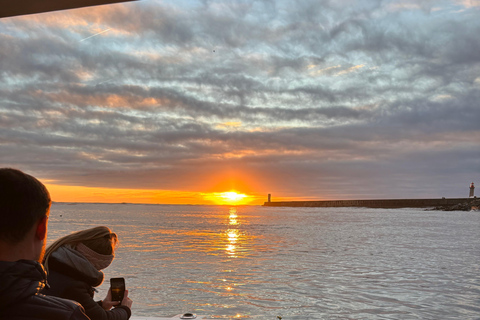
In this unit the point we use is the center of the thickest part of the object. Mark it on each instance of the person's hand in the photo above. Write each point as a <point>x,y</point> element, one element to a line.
<point>126,300</point>
<point>107,303</point>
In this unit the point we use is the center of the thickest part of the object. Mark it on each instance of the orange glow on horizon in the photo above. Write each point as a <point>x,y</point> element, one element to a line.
<point>228,198</point>
<point>61,193</point>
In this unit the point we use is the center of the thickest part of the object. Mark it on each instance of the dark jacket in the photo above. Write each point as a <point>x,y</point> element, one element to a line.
<point>72,276</point>
<point>20,284</point>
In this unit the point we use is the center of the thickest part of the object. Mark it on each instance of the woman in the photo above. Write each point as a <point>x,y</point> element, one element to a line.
<point>74,265</point>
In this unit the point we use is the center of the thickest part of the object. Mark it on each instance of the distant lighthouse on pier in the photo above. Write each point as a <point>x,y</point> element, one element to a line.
<point>472,188</point>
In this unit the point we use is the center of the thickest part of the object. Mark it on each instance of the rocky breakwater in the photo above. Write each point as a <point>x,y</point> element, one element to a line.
<point>473,205</point>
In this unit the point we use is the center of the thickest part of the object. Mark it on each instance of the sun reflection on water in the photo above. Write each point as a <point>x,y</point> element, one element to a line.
<point>233,233</point>
<point>233,216</point>
<point>224,236</point>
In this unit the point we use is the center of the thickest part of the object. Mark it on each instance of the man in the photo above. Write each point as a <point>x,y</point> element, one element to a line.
<point>24,209</point>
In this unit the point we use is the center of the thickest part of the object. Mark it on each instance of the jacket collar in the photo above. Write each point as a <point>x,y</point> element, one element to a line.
<point>69,261</point>
<point>19,280</point>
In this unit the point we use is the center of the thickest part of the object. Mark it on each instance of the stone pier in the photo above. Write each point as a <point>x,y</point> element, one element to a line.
<point>380,203</point>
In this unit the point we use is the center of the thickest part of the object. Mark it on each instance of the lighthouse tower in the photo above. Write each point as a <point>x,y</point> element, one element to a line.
<point>472,187</point>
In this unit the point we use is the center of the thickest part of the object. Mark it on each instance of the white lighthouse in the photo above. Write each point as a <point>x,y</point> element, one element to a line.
<point>472,187</point>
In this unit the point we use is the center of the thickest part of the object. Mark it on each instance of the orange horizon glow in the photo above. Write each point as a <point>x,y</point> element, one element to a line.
<point>61,193</point>
<point>230,198</point>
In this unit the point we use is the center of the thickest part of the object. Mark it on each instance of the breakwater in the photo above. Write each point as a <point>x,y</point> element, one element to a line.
<point>379,203</point>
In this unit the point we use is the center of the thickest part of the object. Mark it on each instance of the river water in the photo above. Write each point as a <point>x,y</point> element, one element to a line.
<point>253,262</point>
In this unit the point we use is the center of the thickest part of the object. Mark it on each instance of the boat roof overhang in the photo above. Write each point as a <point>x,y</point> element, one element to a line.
<point>9,8</point>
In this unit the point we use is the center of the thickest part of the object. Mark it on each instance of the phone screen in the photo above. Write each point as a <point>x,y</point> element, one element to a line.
<point>117,287</point>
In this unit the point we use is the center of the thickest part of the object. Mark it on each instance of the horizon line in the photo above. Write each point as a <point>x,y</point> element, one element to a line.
<point>154,204</point>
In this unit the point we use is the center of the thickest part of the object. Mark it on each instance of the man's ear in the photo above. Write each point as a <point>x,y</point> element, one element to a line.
<point>41,232</point>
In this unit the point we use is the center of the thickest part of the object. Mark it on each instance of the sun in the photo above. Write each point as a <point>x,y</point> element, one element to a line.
<point>228,198</point>
<point>232,196</point>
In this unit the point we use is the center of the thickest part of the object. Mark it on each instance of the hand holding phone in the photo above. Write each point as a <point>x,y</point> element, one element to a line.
<point>117,288</point>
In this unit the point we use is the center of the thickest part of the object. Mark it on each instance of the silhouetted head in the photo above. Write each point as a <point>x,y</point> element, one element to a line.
<point>24,201</point>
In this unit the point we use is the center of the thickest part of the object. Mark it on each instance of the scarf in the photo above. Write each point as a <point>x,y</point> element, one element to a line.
<point>99,261</point>
<point>68,260</point>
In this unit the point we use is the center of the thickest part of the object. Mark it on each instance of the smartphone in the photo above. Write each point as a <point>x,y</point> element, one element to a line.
<point>117,287</point>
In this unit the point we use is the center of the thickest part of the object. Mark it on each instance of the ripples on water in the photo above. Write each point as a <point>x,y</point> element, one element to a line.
<point>299,263</point>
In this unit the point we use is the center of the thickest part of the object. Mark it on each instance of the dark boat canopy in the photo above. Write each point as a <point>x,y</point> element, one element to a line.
<point>9,8</point>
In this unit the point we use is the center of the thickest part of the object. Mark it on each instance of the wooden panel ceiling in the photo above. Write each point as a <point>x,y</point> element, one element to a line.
<point>10,8</point>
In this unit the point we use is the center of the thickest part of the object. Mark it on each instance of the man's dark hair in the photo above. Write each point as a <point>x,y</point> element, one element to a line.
<point>23,202</point>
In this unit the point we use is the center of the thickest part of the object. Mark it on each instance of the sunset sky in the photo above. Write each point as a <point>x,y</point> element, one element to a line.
<point>181,101</point>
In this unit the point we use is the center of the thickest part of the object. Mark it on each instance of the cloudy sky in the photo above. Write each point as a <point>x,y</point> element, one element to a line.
<point>169,101</point>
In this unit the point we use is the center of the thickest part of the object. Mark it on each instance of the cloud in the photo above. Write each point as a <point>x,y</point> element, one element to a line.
<point>469,3</point>
<point>351,69</point>
<point>298,99</point>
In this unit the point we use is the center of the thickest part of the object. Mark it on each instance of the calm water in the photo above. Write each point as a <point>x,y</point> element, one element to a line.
<point>299,263</point>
